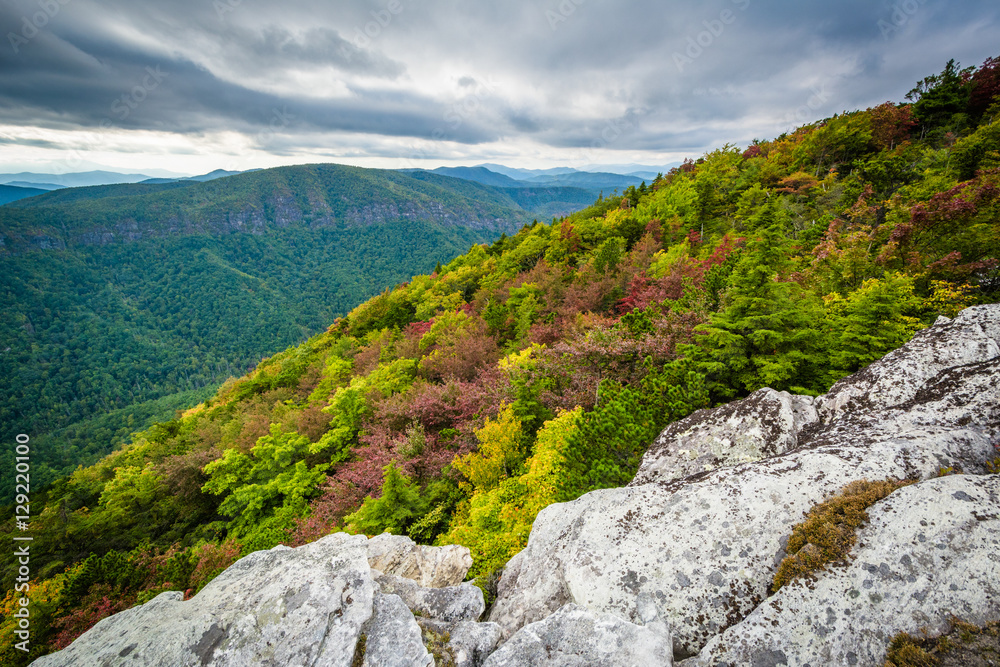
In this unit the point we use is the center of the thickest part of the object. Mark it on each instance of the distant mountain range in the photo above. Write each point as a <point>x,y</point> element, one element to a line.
<point>9,193</point>
<point>27,179</point>
<point>565,189</point>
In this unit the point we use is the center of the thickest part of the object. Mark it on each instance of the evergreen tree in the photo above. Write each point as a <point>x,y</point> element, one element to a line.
<point>768,333</point>
<point>394,510</point>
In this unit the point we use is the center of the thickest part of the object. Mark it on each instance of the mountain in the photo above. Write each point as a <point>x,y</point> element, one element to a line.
<point>83,178</point>
<point>524,174</point>
<point>39,186</point>
<point>140,292</point>
<point>210,176</point>
<point>647,172</point>
<point>9,193</point>
<point>479,175</point>
<point>609,358</point>
<point>595,181</point>
<point>585,179</point>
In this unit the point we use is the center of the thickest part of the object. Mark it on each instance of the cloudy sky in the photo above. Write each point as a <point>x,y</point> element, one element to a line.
<point>194,85</point>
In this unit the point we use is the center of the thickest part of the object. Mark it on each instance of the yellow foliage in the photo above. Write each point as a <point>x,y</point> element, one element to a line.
<point>519,360</point>
<point>948,298</point>
<point>495,522</point>
<point>500,451</point>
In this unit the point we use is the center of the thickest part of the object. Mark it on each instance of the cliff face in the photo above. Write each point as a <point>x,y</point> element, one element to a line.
<point>678,565</point>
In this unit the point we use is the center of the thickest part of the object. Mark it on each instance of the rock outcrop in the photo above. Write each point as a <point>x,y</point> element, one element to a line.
<point>285,606</point>
<point>320,604</point>
<point>676,567</point>
<point>576,636</point>
<point>930,547</point>
<point>765,423</point>
<point>430,567</point>
<point>703,549</point>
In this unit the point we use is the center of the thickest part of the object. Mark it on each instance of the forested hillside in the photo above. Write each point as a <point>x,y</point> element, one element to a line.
<point>123,303</point>
<point>539,367</point>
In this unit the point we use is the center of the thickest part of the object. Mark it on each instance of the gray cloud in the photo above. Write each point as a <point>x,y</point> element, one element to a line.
<point>642,75</point>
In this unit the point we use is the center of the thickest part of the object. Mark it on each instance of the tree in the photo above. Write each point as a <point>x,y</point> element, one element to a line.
<point>938,97</point>
<point>607,447</point>
<point>394,510</point>
<point>500,455</point>
<point>275,470</point>
<point>768,335</point>
<point>876,318</point>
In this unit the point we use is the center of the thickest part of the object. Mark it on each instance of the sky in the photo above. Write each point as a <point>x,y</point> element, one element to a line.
<point>189,86</point>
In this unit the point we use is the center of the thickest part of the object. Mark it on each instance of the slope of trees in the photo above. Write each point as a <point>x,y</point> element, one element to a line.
<point>529,371</point>
<point>169,303</point>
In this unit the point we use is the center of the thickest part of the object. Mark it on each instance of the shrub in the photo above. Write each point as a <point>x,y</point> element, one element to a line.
<point>828,533</point>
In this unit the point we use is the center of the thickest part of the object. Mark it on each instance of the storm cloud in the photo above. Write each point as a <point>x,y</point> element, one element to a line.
<point>528,83</point>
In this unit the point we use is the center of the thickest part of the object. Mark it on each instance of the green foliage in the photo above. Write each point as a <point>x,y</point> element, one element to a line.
<point>609,254</point>
<point>273,471</point>
<point>873,320</point>
<point>393,511</point>
<point>767,334</point>
<point>979,150</point>
<point>608,446</point>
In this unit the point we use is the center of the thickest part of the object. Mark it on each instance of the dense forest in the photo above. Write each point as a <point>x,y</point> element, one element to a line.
<point>104,337</point>
<point>456,406</point>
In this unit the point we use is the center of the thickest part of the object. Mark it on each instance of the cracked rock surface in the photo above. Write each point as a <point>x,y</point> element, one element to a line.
<point>703,548</point>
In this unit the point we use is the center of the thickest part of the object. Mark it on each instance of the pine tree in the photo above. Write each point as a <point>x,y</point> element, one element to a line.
<point>768,334</point>
<point>394,510</point>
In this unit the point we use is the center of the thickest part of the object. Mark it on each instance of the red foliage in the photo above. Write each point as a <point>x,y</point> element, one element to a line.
<point>99,604</point>
<point>654,230</point>
<point>183,474</point>
<point>891,124</point>
<point>751,152</point>
<point>387,435</point>
<point>727,246</point>
<point>607,351</point>
<point>462,355</point>
<point>326,512</point>
<point>985,86</point>
<point>953,205</point>
<point>213,559</point>
<point>644,291</point>
<point>685,167</point>
<point>312,422</point>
